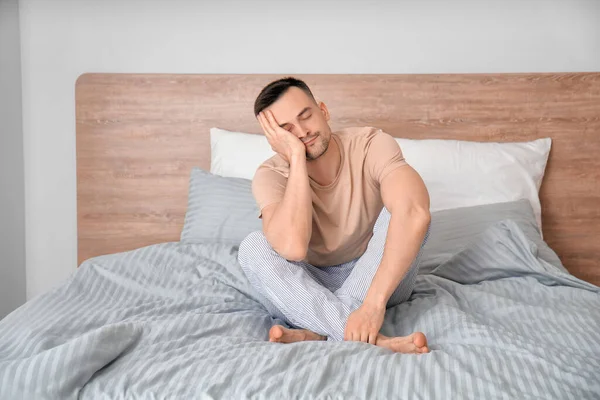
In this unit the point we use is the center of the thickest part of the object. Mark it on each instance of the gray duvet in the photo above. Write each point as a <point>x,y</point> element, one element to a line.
<point>181,321</point>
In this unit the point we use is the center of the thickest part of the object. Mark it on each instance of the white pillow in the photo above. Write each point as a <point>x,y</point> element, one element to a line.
<point>236,154</point>
<point>462,174</point>
<point>457,173</point>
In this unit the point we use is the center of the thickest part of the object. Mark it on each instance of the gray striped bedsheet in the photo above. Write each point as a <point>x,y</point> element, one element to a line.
<point>181,321</point>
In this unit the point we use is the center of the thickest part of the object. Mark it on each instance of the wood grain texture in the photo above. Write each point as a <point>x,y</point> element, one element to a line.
<point>138,136</point>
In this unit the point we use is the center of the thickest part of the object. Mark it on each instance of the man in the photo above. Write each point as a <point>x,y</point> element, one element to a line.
<point>331,258</point>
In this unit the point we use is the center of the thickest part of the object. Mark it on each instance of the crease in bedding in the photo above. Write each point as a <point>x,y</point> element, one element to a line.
<point>178,320</point>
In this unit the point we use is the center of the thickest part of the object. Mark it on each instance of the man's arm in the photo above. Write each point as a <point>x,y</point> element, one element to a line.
<point>287,225</point>
<point>405,196</point>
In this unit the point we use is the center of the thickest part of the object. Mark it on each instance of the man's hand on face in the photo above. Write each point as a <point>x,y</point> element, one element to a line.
<point>283,142</point>
<point>364,323</point>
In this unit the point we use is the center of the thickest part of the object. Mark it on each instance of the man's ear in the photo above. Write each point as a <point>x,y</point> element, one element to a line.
<point>324,110</point>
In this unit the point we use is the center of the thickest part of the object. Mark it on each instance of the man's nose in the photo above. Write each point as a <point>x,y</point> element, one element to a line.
<point>302,131</point>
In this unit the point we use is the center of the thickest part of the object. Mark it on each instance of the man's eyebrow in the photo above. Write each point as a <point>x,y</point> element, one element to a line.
<point>299,114</point>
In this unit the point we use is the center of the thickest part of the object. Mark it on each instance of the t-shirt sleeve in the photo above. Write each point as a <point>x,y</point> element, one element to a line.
<point>383,156</point>
<point>268,187</point>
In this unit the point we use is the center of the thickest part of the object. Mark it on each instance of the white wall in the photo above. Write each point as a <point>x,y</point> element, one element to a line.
<point>62,39</point>
<point>12,192</point>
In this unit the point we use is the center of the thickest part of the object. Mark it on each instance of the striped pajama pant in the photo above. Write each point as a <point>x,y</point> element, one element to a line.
<point>319,298</point>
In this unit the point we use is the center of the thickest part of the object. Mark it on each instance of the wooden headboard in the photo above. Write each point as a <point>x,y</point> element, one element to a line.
<point>138,136</point>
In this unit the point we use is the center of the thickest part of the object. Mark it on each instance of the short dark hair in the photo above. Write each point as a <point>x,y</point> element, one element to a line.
<point>275,90</point>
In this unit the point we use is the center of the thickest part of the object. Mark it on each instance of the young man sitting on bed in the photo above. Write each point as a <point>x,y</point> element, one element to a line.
<point>331,257</point>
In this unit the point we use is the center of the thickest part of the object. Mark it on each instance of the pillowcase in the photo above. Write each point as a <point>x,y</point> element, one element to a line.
<point>237,154</point>
<point>456,173</point>
<point>220,210</point>
<point>452,230</point>
<point>460,173</point>
<point>223,210</point>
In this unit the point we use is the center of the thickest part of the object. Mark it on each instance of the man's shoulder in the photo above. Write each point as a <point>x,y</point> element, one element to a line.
<point>359,138</point>
<point>275,164</point>
<point>357,133</point>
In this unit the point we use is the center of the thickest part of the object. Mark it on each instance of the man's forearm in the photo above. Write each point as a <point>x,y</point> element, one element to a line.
<point>290,228</point>
<point>404,238</point>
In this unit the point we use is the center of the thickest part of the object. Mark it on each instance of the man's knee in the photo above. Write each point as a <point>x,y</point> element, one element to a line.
<point>252,248</point>
<point>426,238</point>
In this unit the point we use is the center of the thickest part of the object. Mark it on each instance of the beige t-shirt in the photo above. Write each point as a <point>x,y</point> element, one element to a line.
<point>345,211</point>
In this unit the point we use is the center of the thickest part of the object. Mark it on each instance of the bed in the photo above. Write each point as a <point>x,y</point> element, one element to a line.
<point>151,313</point>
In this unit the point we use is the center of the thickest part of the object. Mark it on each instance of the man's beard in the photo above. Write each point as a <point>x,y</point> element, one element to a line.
<point>316,153</point>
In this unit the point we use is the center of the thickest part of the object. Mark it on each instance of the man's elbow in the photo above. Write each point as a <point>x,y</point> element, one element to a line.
<point>419,215</point>
<point>425,216</point>
<point>291,250</point>
<point>296,252</point>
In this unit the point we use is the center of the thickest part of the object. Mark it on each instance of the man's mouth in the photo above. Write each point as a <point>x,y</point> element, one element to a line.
<point>310,141</point>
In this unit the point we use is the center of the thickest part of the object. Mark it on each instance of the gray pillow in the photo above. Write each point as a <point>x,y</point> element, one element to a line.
<point>223,210</point>
<point>453,229</point>
<point>220,210</point>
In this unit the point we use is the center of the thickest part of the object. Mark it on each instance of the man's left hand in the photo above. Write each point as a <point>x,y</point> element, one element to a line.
<point>363,325</point>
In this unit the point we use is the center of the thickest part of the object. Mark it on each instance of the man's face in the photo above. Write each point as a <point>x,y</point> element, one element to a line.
<point>297,112</point>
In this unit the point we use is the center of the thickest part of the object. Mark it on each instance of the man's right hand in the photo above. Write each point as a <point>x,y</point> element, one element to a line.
<point>288,223</point>
<point>283,142</point>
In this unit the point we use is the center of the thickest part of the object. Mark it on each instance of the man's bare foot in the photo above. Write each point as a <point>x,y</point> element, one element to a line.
<point>279,334</point>
<point>414,343</point>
